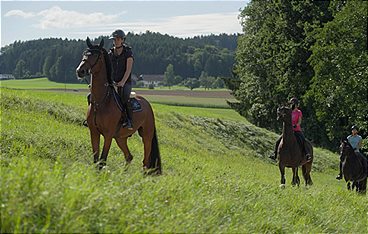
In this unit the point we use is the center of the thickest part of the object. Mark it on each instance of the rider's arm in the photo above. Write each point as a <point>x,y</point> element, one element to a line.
<point>300,120</point>
<point>359,145</point>
<point>128,70</point>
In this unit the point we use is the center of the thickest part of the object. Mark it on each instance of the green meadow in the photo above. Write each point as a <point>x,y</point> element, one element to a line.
<point>217,177</point>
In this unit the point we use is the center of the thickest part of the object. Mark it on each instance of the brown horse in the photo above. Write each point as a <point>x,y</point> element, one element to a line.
<point>290,153</point>
<point>104,116</point>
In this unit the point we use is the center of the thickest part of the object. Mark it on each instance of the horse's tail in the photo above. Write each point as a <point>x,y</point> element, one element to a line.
<point>155,159</point>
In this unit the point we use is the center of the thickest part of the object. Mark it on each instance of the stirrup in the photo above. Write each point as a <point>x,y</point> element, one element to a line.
<point>84,123</point>
<point>308,158</point>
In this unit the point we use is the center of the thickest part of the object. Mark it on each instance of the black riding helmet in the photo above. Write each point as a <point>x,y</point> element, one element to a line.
<point>117,33</point>
<point>294,101</point>
<point>354,127</point>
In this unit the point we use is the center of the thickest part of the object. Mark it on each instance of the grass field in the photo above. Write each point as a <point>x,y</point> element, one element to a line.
<point>216,176</point>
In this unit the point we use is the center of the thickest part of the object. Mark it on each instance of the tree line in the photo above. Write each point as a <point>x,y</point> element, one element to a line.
<point>313,50</point>
<point>57,58</point>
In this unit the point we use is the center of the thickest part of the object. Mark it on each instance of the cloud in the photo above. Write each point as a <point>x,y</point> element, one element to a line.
<point>57,18</point>
<point>187,25</point>
<point>20,13</point>
<point>191,25</point>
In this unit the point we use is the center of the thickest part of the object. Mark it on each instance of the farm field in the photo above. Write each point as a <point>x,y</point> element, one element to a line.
<point>216,176</point>
<point>174,96</point>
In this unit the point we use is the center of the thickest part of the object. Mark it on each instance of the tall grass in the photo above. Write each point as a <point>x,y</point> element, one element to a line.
<point>217,177</point>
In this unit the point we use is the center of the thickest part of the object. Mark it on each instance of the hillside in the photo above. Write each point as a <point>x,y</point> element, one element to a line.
<point>217,177</point>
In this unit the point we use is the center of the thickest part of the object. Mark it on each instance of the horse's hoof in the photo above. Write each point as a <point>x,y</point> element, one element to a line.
<point>282,186</point>
<point>129,159</point>
<point>151,171</point>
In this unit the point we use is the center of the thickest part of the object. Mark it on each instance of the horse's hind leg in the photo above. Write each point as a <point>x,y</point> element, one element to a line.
<point>348,186</point>
<point>123,145</point>
<point>306,169</point>
<point>296,180</point>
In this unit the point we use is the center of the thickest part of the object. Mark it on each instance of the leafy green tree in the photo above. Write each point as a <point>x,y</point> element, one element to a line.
<point>178,79</point>
<point>20,70</point>
<point>339,90</point>
<point>192,83</point>
<point>47,66</point>
<point>218,83</point>
<point>272,56</point>
<point>169,76</point>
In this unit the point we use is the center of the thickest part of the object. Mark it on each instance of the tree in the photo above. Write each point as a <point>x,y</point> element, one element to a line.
<point>47,66</point>
<point>218,83</point>
<point>20,70</point>
<point>339,90</point>
<point>192,83</point>
<point>169,76</point>
<point>272,56</point>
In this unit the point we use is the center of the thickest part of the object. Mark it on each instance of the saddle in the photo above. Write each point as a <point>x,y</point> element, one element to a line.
<point>136,106</point>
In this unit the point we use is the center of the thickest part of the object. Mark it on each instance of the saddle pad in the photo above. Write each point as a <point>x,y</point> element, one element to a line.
<point>136,106</point>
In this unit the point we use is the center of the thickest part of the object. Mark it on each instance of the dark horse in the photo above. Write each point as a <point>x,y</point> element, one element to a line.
<point>290,153</point>
<point>354,167</point>
<point>104,116</point>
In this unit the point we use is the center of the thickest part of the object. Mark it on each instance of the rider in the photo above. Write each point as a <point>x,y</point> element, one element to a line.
<point>121,57</point>
<point>296,120</point>
<point>355,141</point>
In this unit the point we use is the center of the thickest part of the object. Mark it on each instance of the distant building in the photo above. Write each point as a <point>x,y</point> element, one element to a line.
<point>6,77</point>
<point>148,79</point>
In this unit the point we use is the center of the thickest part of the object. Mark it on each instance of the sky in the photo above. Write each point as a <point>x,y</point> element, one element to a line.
<point>28,20</point>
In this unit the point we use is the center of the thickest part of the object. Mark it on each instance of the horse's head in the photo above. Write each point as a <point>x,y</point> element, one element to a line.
<point>283,113</point>
<point>346,148</point>
<point>90,59</point>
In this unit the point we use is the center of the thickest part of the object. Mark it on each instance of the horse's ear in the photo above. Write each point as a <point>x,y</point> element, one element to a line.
<point>101,43</point>
<point>89,44</point>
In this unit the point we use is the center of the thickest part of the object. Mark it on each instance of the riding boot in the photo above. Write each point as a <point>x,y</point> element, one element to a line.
<point>339,176</point>
<point>84,123</point>
<point>274,154</point>
<point>308,157</point>
<point>129,112</point>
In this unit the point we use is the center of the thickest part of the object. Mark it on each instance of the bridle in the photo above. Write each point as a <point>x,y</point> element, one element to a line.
<point>86,60</point>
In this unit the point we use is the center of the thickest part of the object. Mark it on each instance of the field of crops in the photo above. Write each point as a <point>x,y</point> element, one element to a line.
<point>216,176</point>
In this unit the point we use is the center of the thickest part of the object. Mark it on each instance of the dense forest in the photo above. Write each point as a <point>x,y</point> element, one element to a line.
<point>153,53</point>
<point>313,50</point>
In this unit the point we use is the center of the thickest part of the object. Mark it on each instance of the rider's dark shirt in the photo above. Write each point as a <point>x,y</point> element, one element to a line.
<point>119,62</point>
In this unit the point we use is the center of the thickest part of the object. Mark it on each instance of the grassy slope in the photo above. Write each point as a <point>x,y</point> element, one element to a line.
<point>216,177</point>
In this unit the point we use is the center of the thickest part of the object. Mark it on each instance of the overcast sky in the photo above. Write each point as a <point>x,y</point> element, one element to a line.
<point>26,20</point>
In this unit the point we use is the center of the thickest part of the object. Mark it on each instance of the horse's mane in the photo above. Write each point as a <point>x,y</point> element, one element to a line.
<point>108,66</point>
<point>107,62</point>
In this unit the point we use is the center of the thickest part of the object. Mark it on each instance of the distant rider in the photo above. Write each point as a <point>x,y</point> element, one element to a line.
<point>355,141</point>
<point>296,120</point>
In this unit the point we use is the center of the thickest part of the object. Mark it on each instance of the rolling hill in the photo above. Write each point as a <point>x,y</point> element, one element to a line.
<point>216,176</point>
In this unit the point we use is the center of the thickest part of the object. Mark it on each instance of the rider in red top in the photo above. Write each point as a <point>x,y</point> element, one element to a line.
<point>296,120</point>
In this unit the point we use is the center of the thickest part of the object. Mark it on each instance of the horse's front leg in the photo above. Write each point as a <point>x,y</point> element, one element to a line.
<point>105,151</point>
<point>282,173</point>
<point>123,145</point>
<point>95,140</point>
